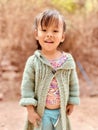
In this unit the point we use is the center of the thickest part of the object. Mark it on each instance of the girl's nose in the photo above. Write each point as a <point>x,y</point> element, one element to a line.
<point>49,34</point>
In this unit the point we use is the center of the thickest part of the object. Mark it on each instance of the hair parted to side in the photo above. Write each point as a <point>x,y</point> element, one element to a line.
<point>47,18</point>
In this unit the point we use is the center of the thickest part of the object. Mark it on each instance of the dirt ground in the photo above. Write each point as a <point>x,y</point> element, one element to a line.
<point>84,117</point>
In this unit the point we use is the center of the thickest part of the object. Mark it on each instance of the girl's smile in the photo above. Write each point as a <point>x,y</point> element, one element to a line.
<point>49,41</point>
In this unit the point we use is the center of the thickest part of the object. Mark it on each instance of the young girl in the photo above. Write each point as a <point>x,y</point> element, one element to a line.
<point>50,85</point>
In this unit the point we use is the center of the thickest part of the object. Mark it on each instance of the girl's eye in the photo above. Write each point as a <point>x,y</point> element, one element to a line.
<point>44,30</point>
<point>55,31</point>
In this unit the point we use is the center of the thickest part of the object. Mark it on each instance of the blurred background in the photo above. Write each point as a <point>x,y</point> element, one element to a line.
<point>17,43</point>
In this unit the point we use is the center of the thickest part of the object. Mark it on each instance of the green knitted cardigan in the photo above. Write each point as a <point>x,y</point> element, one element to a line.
<point>37,76</point>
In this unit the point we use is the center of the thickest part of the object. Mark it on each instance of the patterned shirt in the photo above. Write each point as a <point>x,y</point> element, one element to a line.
<point>53,96</point>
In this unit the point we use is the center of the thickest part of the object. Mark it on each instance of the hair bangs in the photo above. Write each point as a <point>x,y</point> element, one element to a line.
<point>50,19</point>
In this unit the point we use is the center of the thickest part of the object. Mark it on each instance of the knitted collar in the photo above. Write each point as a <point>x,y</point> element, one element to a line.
<point>69,64</point>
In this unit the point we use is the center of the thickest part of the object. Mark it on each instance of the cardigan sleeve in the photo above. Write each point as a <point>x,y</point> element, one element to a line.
<point>27,85</point>
<point>74,87</point>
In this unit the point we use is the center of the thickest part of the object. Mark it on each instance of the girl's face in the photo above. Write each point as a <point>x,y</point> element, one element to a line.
<point>50,36</point>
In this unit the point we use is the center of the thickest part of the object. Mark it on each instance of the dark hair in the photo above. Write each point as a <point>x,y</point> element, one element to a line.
<point>48,17</point>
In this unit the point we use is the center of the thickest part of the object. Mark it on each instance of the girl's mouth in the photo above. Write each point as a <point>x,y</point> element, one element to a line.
<point>49,42</point>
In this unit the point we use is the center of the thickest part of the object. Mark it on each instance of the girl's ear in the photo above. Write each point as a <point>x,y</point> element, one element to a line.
<point>36,34</point>
<point>63,37</point>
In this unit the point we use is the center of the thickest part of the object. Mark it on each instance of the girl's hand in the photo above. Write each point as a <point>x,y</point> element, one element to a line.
<point>69,109</point>
<point>33,116</point>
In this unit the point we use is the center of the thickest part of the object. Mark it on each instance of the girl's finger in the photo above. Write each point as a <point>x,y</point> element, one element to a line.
<point>35,124</point>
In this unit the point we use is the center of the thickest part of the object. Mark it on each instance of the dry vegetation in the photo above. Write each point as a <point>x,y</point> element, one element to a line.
<point>17,42</point>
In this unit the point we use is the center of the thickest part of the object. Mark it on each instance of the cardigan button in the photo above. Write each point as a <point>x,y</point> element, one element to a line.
<point>53,71</point>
